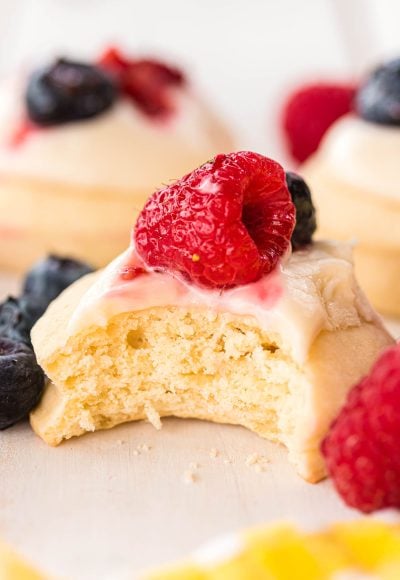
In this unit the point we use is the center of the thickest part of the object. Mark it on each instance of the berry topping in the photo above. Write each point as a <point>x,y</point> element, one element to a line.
<point>49,277</point>
<point>309,113</point>
<point>361,449</point>
<point>42,284</point>
<point>306,223</point>
<point>68,91</point>
<point>21,379</point>
<point>21,382</point>
<point>129,273</point>
<point>22,132</point>
<point>146,82</point>
<point>378,99</point>
<point>17,318</point>
<point>227,223</point>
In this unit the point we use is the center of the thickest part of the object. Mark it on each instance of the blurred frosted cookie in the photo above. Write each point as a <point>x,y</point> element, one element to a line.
<point>82,145</point>
<point>356,181</point>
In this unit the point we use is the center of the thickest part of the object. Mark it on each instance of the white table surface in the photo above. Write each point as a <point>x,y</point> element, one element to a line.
<point>97,506</point>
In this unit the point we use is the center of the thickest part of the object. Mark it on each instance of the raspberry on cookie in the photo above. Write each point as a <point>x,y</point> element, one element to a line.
<point>227,223</point>
<point>310,111</point>
<point>146,81</point>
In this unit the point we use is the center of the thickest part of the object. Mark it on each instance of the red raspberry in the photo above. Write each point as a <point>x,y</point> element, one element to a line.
<point>145,81</point>
<point>362,447</point>
<point>226,223</point>
<point>309,113</point>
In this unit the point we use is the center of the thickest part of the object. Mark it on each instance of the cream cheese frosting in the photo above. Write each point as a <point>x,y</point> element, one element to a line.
<point>122,148</point>
<point>312,290</point>
<point>363,154</point>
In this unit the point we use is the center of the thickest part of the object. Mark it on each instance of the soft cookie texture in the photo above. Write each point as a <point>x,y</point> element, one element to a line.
<point>119,362</point>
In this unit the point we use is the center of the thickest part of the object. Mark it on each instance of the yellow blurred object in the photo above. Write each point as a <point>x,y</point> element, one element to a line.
<point>280,552</point>
<point>314,555</point>
<point>188,572</point>
<point>373,545</point>
<point>13,568</point>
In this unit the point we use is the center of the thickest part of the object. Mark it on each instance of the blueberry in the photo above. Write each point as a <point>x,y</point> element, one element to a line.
<point>21,382</point>
<point>68,91</point>
<point>16,319</point>
<point>306,223</point>
<point>49,277</point>
<point>21,378</point>
<point>378,99</point>
<point>42,285</point>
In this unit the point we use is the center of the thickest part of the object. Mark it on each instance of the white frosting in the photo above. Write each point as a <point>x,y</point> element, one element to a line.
<point>363,154</point>
<point>122,148</point>
<point>313,290</point>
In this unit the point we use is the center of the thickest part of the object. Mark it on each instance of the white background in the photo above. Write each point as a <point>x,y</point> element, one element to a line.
<point>243,54</point>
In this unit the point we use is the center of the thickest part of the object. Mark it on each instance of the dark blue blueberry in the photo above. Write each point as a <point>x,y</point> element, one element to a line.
<point>378,99</point>
<point>21,382</point>
<point>306,223</point>
<point>49,277</point>
<point>68,91</point>
<point>21,378</point>
<point>17,317</point>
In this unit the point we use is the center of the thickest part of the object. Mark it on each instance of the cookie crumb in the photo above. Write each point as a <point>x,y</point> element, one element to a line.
<point>189,477</point>
<point>214,453</point>
<point>256,461</point>
<point>252,459</point>
<point>153,416</point>
<point>193,466</point>
<point>143,447</point>
<point>228,461</point>
<point>135,452</point>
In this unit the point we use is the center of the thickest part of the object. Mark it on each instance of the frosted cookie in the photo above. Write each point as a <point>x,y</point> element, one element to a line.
<point>83,145</point>
<point>355,177</point>
<point>210,314</point>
